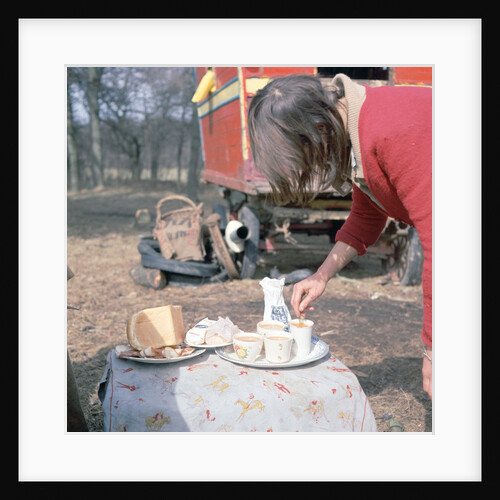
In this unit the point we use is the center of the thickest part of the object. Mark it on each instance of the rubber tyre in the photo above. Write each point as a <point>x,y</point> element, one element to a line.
<point>151,257</point>
<point>185,280</point>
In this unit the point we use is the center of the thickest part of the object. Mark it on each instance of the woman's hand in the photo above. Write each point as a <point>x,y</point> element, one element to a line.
<point>305,292</point>
<point>427,373</point>
<point>308,290</point>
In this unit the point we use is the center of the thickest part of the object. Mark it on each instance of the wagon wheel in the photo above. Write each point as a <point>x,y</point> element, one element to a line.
<point>212,223</point>
<point>405,263</point>
<point>396,263</point>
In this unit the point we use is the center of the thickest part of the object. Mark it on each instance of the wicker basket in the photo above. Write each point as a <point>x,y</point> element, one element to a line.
<point>178,228</point>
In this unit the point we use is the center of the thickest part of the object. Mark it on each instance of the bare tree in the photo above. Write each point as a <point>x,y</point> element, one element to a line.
<point>194,157</point>
<point>157,106</point>
<point>124,114</point>
<point>142,115</point>
<point>73,170</point>
<point>94,76</point>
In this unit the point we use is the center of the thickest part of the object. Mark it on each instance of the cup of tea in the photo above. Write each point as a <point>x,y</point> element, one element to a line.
<point>301,330</point>
<point>247,346</point>
<point>278,346</point>
<point>270,327</point>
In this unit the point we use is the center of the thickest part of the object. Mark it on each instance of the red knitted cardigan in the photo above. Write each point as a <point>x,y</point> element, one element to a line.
<point>395,134</point>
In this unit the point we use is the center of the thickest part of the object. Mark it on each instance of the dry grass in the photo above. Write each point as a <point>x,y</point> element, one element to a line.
<point>371,325</point>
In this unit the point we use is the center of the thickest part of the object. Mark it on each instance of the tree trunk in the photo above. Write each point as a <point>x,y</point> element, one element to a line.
<point>151,278</point>
<point>135,158</point>
<point>155,157</point>
<point>73,172</point>
<point>194,158</point>
<point>180,145</point>
<point>95,130</point>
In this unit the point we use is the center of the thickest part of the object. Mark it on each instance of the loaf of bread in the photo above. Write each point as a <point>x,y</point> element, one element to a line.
<point>156,327</point>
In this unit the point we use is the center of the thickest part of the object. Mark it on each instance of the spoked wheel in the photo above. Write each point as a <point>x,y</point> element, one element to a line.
<point>405,263</point>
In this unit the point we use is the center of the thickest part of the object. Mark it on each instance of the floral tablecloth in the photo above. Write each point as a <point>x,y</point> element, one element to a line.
<point>210,394</point>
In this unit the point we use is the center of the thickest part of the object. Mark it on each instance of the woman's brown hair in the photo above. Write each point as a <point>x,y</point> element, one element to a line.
<point>298,139</point>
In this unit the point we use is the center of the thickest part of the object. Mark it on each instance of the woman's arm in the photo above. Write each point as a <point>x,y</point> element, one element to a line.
<point>361,229</point>
<point>311,288</point>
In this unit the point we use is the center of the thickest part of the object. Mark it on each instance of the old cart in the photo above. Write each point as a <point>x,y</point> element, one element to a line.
<point>248,221</point>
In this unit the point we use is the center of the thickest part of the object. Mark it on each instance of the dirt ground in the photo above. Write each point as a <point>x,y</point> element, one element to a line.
<point>371,324</point>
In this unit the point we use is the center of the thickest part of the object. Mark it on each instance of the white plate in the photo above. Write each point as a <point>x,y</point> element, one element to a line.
<point>206,346</point>
<point>166,360</point>
<point>318,350</point>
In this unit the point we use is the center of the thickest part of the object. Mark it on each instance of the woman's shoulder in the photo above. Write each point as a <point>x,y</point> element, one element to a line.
<point>406,96</point>
<point>388,107</point>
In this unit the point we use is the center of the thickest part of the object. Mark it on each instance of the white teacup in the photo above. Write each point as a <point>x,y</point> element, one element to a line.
<point>247,346</point>
<point>270,327</point>
<point>302,330</point>
<point>278,346</point>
